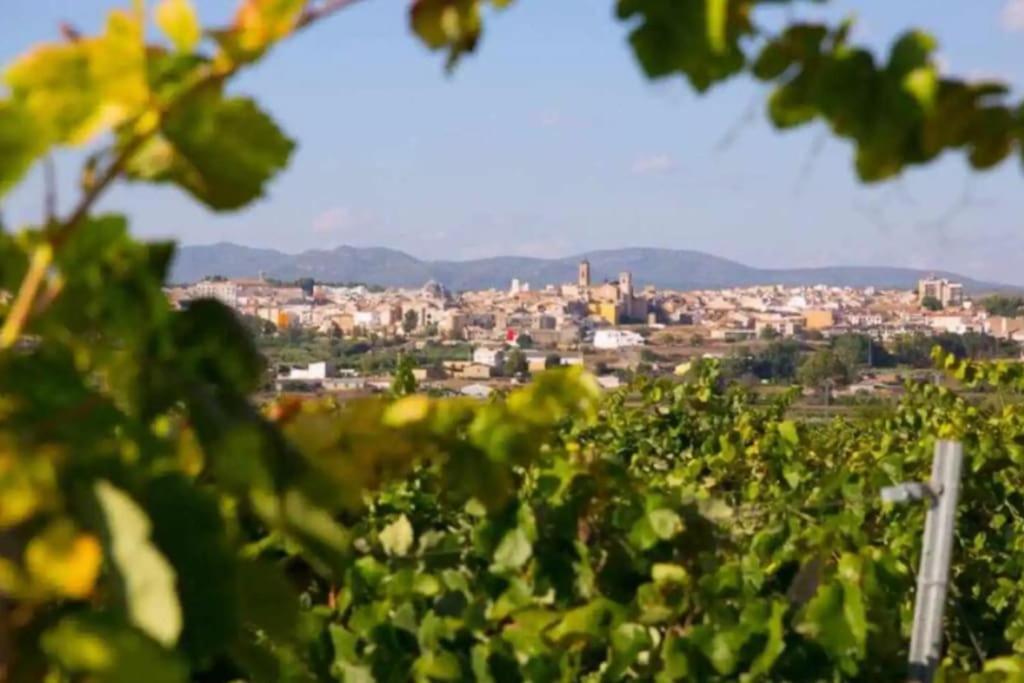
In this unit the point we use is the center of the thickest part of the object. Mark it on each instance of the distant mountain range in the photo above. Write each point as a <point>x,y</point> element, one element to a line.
<point>664,268</point>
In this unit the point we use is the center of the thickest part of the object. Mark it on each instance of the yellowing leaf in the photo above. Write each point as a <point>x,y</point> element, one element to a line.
<point>788,431</point>
<point>78,89</point>
<point>148,579</point>
<point>407,410</point>
<point>397,537</point>
<point>64,561</point>
<point>923,85</point>
<point>669,573</point>
<point>260,23</point>
<point>103,649</point>
<point>26,485</point>
<point>178,20</point>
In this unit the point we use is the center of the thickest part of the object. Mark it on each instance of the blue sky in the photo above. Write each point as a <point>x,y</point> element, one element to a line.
<point>549,142</point>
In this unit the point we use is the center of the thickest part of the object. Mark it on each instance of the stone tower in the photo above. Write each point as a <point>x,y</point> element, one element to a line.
<point>584,274</point>
<point>626,285</point>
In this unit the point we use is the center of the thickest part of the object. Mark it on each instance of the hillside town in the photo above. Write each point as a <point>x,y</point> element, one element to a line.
<point>607,324</point>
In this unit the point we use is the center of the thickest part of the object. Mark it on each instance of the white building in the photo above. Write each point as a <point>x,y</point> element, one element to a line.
<point>224,290</point>
<point>311,372</point>
<point>616,339</point>
<point>488,355</point>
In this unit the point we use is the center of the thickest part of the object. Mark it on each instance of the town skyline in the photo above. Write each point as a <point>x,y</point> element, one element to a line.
<point>666,267</point>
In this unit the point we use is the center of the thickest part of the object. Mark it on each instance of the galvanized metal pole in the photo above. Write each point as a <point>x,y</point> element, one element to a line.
<point>936,555</point>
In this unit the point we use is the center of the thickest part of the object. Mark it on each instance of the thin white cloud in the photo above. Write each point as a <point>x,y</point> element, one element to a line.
<point>341,219</point>
<point>552,118</point>
<point>657,164</point>
<point>1013,15</point>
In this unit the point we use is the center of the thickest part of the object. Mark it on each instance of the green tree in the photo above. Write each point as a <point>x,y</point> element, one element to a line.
<point>515,363</point>
<point>1007,306</point>
<point>930,303</point>
<point>403,383</point>
<point>410,321</point>
<point>777,362</point>
<point>824,366</point>
<point>860,349</point>
<point>258,327</point>
<point>769,333</point>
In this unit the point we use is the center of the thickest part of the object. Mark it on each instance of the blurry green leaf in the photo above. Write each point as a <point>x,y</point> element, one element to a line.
<point>721,647</point>
<point>102,650</point>
<point>221,150</point>
<point>669,573</point>
<point>698,38</point>
<point>216,348</point>
<point>178,20</point>
<point>910,52</point>
<point>451,24</point>
<point>147,579</point>
<point>591,620</point>
<point>260,23</point>
<point>923,85</point>
<point>717,12</point>
<point>76,90</point>
<point>21,143</point>
<point>188,529</point>
<point>665,523</point>
<point>788,431</point>
<point>835,617</point>
<point>267,602</point>
<point>656,525</point>
<point>397,537</point>
<point>513,552</point>
<point>775,644</point>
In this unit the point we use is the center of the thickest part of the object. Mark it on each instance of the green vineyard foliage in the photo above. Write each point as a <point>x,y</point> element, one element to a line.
<point>158,525</point>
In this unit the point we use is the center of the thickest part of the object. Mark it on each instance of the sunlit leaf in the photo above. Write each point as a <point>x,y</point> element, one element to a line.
<point>221,150</point>
<point>103,650</point>
<point>148,581</point>
<point>397,538</point>
<point>177,19</point>
<point>22,141</point>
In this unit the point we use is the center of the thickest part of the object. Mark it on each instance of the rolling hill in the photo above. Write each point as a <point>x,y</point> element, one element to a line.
<point>665,268</point>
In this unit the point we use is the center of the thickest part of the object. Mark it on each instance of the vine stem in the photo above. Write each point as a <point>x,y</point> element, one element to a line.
<point>42,258</point>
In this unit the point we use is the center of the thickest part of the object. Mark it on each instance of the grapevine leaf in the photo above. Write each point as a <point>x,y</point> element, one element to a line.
<point>188,529</point>
<point>178,20</point>
<point>101,649</point>
<point>788,431</point>
<point>21,143</point>
<point>397,537</point>
<point>260,23</point>
<point>513,552</point>
<point>221,150</point>
<point>76,90</point>
<point>451,24</point>
<point>63,560</point>
<point>146,577</point>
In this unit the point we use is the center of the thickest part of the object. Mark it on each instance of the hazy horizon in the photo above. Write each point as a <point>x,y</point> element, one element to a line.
<point>576,253</point>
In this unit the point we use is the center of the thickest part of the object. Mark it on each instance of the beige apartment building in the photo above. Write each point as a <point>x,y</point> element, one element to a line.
<point>946,292</point>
